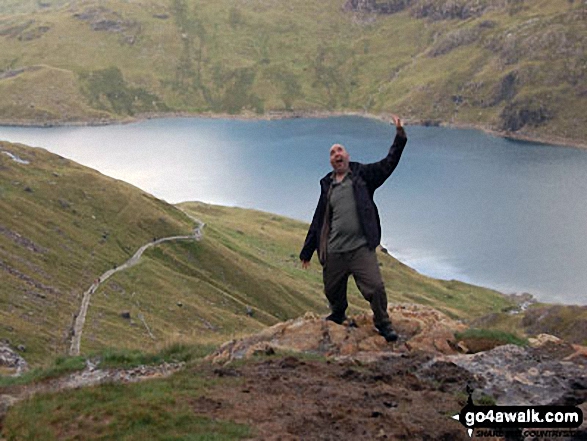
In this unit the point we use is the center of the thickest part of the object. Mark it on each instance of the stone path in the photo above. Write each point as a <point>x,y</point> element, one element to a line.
<point>80,318</point>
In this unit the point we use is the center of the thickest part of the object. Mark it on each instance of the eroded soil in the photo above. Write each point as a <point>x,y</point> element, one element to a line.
<point>290,398</point>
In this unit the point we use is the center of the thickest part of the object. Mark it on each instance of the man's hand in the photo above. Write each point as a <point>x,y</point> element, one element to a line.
<point>396,121</point>
<point>305,264</point>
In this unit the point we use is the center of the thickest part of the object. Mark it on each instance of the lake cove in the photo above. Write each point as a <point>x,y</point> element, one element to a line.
<point>462,204</point>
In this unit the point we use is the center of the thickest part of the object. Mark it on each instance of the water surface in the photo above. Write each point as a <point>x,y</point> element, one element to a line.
<point>461,204</point>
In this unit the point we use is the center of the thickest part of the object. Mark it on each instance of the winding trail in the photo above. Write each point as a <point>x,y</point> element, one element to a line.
<point>80,318</point>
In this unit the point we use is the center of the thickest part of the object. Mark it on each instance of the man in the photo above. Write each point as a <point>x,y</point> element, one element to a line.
<point>346,230</point>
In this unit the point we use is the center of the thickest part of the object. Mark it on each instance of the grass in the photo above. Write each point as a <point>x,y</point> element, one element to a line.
<point>494,335</point>
<point>156,409</point>
<point>60,367</point>
<point>63,225</point>
<point>253,58</point>
<point>111,358</point>
<point>564,321</point>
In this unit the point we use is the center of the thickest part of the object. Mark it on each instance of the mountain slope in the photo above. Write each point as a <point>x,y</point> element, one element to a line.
<point>511,66</point>
<point>63,225</point>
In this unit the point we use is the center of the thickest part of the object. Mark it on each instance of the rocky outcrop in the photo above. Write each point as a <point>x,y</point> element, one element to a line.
<point>421,328</point>
<point>449,9</point>
<point>515,375</point>
<point>106,20</point>
<point>548,371</point>
<point>454,40</point>
<point>527,112</point>
<point>433,10</point>
<point>387,7</point>
<point>11,362</point>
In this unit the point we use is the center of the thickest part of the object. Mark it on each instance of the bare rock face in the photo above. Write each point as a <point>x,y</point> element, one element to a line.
<point>420,328</point>
<point>106,20</point>
<point>11,362</point>
<point>553,373</point>
<point>373,6</point>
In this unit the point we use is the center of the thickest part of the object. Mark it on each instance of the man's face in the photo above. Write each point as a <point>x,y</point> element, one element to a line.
<point>339,158</point>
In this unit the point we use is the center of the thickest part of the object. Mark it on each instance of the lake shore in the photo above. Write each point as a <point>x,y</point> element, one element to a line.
<point>275,115</point>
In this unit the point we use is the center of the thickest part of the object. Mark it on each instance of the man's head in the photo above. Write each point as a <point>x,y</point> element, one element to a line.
<point>339,159</point>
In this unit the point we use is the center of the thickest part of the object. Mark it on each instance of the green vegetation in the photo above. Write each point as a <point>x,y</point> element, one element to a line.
<point>23,6</point>
<point>106,90</point>
<point>61,366</point>
<point>567,322</point>
<point>111,358</point>
<point>175,353</point>
<point>512,66</point>
<point>64,225</point>
<point>493,335</point>
<point>154,410</point>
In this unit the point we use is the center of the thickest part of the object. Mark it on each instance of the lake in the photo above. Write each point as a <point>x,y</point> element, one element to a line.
<point>461,205</point>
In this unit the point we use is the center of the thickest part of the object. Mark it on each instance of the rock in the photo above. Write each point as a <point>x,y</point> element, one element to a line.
<point>373,6</point>
<point>12,361</point>
<point>552,371</point>
<point>516,375</point>
<point>525,112</point>
<point>6,401</point>
<point>421,328</point>
<point>64,203</point>
<point>568,322</point>
<point>542,339</point>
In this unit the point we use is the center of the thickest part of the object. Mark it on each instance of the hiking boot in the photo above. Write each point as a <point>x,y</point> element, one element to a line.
<point>388,333</point>
<point>336,318</point>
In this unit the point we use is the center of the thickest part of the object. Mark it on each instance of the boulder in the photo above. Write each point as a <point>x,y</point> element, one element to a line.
<point>515,375</point>
<point>11,362</point>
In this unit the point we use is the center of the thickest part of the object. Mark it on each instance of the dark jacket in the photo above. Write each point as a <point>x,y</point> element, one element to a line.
<point>366,179</point>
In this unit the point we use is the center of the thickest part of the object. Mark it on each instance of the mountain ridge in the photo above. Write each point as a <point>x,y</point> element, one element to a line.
<point>514,68</point>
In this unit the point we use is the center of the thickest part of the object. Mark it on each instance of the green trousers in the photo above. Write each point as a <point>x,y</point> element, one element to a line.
<point>363,266</point>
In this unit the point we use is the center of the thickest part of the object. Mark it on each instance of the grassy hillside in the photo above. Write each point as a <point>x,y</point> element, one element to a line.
<point>512,66</point>
<point>63,225</point>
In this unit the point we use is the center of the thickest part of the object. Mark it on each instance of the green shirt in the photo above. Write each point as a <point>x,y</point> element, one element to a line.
<point>346,233</point>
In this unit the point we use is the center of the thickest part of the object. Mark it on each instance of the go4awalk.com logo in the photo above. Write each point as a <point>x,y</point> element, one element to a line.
<point>560,420</point>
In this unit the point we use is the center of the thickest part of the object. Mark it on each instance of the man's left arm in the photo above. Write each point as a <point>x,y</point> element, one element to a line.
<point>376,173</point>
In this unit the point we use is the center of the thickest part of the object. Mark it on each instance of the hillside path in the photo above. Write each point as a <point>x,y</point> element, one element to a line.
<point>80,318</point>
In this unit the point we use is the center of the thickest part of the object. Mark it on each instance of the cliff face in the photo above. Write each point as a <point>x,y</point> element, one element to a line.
<point>388,7</point>
<point>435,9</point>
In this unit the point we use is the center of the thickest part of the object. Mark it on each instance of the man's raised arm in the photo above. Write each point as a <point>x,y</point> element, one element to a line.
<point>377,172</point>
